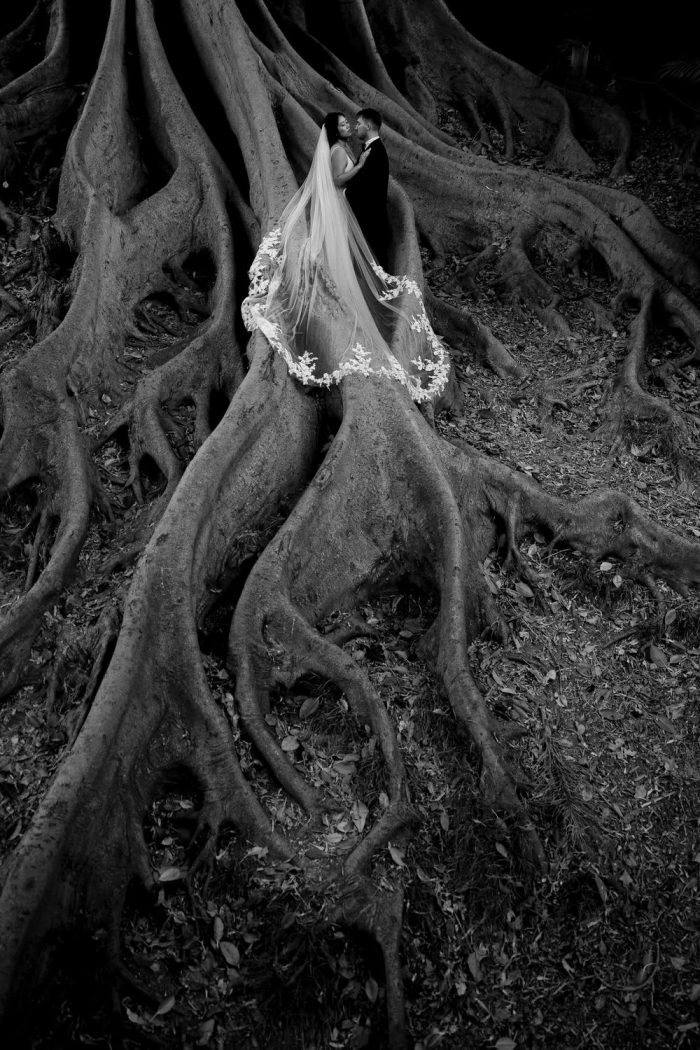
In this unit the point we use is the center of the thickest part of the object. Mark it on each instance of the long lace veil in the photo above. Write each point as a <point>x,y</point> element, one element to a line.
<point>323,302</point>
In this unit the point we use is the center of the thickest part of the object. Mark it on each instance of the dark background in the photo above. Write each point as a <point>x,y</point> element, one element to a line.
<point>634,39</point>
<point>629,42</point>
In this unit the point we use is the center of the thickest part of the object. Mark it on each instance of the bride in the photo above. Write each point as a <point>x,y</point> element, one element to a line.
<point>321,299</point>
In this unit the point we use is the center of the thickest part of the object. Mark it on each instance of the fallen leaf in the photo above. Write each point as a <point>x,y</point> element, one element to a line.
<point>491,583</point>
<point>230,952</point>
<point>345,768</point>
<point>309,707</point>
<point>397,856</point>
<point>205,1031</point>
<point>657,656</point>
<point>522,588</point>
<point>506,1044</point>
<point>474,967</point>
<point>165,1007</point>
<point>171,874</point>
<point>359,814</point>
<point>371,989</point>
<point>290,743</point>
<point>434,1039</point>
<point>218,930</point>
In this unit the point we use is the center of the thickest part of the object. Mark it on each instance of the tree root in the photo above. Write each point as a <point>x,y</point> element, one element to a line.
<point>321,91</point>
<point>143,189</point>
<point>36,102</point>
<point>13,330</point>
<point>459,329</point>
<point>94,648</point>
<point>72,504</point>
<point>628,401</point>
<point>191,548</point>
<point>287,590</point>
<point>488,83</point>
<point>177,222</point>
<point>37,546</point>
<point>602,525</point>
<point>11,303</point>
<point>380,914</point>
<point>495,205</point>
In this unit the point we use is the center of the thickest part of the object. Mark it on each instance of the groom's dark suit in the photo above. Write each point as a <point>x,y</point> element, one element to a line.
<point>366,195</point>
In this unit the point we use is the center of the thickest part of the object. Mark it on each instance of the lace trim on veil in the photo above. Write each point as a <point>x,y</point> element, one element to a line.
<point>333,237</point>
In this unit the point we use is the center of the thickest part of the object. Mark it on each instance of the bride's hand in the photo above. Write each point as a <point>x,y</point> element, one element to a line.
<point>363,157</point>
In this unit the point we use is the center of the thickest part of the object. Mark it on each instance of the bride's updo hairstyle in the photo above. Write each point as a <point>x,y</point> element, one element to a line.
<point>330,123</point>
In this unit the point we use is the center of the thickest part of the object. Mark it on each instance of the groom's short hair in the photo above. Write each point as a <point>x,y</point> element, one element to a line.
<point>373,116</point>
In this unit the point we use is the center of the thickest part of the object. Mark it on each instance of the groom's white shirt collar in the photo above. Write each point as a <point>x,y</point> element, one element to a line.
<point>368,142</point>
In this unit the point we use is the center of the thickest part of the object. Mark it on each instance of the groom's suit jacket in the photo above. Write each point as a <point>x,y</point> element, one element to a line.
<point>366,193</point>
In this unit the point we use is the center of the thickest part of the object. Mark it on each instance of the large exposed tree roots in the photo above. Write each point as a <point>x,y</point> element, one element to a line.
<point>163,177</point>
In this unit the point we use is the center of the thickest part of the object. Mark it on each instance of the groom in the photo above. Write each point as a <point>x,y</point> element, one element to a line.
<point>366,192</point>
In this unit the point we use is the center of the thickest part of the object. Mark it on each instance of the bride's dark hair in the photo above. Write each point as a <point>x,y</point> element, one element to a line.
<point>330,123</point>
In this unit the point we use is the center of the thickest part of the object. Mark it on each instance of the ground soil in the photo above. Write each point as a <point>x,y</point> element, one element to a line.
<point>603,680</point>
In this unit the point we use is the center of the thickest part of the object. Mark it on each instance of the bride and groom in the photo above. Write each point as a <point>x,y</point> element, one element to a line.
<point>320,290</point>
<point>365,179</point>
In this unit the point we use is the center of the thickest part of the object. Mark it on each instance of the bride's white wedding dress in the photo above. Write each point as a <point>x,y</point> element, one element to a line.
<point>349,162</point>
<point>323,302</point>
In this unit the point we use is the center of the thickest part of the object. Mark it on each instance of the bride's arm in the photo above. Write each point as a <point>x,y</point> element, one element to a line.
<point>338,161</point>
